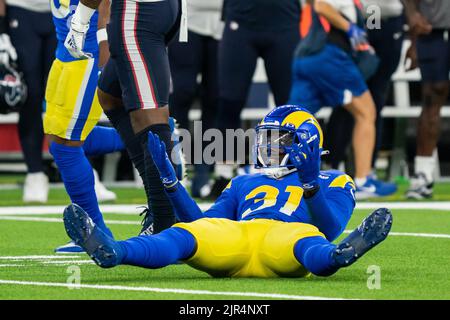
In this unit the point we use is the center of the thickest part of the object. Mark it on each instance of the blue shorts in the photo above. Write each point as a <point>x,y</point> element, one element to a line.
<point>138,70</point>
<point>433,51</point>
<point>329,78</point>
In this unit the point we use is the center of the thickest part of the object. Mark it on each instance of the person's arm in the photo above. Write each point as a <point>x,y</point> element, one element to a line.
<point>2,8</point>
<point>79,27</point>
<point>331,210</point>
<point>7,51</point>
<point>226,205</point>
<point>356,35</point>
<point>418,25</point>
<point>332,15</point>
<point>102,36</point>
<point>186,209</point>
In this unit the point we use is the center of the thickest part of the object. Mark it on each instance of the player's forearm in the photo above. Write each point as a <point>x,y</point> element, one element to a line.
<point>332,15</point>
<point>2,8</point>
<point>102,38</point>
<point>325,216</point>
<point>85,10</point>
<point>3,23</point>
<point>411,7</point>
<point>93,4</point>
<point>184,206</point>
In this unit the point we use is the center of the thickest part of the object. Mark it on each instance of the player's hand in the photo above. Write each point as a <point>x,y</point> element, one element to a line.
<point>418,25</point>
<point>157,149</point>
<point>411,59</point>
<point>8,53</point>
<point>75,40</point>
<point>306,158</point>
<point>357,36</point>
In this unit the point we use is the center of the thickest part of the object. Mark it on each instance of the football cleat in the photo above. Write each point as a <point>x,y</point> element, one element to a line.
<point>420,188</point>
<point>373,230</point>
<point>147,222</point>
<point>105,252</point>
<point>69,247</point>
<point>374,188</point>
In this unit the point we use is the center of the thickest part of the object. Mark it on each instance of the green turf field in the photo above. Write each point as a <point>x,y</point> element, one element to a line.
<point>414,262</point>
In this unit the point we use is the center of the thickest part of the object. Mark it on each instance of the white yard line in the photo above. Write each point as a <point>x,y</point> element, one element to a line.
<point>59,220</point>
<point>68,262</point>
<point>168,290</point>
<point>134,209</point>
<point>410,234</point>
<point>37,257</point>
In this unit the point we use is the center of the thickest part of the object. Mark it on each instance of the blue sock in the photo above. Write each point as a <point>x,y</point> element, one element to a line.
<point>160,250</point>
<point>102,140</point>
<point>76,172</point>
<point>314,253</point>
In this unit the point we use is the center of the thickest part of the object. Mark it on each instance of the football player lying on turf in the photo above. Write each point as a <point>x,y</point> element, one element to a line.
<point>263,225</point>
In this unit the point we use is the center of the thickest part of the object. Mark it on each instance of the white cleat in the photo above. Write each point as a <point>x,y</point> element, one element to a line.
<point>102,193</point>
<point>35,188</point>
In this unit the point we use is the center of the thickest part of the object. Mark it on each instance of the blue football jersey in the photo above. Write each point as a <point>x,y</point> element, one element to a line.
<point>62,11</point>
<point>258,196</point>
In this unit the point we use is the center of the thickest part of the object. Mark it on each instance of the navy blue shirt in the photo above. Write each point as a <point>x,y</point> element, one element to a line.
<point>264,15</point>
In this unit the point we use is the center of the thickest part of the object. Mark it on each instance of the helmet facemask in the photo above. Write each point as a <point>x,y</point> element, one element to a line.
<point>272,147</point>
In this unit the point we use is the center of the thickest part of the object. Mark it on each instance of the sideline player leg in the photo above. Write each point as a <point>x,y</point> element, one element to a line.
<point>71,115</point>
<point>138,74</point>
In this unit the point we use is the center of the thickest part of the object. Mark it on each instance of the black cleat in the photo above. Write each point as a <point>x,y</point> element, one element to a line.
<point>147,222</point>
<point>374,229</point>
<point>82,230</point>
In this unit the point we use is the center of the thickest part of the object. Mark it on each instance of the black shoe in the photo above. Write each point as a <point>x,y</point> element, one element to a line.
<point>420,188</point>
<point>374,229</point>
<point>147,222</point>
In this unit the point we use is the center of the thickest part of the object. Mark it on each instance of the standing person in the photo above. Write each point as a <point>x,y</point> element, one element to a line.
<point>187,61</point>
<point>134,85</point>
<point>387,40</point>
<point>429,23</point>
<point>73,111</point>
<point>325,74</point>
<point>253,29</point>
<point>27,35</point>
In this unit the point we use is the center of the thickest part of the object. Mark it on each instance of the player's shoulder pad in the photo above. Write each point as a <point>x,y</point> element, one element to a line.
<point>337,179</point>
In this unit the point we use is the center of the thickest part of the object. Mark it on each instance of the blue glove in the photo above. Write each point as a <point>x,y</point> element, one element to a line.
<point>357,36</point>
<point>157,149</point>
<point>306,158</point>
